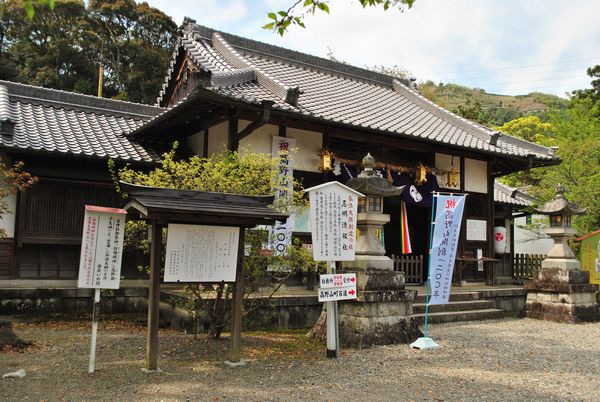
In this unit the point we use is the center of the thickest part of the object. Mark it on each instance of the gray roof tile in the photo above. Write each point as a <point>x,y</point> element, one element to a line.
<point>56,121</point>
<point>342,94</point>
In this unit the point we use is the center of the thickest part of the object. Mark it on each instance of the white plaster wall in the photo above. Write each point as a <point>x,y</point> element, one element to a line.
<point>196,143</point>
<point>7,220</point>
<point>217,138</point>
<point>529,242</point>
<point>260,140</point>
<point>475,175</point>
<point>308,145</point>
<point>443,161</point>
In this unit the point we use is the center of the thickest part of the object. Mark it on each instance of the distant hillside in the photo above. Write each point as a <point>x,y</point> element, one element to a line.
<point>489,109</point>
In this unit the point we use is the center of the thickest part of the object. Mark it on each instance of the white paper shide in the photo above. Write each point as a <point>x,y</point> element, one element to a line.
<point>199,253</point>
<point>101,248</point>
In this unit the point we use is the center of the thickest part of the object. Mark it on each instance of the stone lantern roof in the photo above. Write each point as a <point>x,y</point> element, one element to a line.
<point>560,205</point>
<point>369,182</point>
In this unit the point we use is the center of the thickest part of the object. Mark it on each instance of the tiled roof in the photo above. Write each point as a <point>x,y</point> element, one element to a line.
<point>511,196</point>
<point>337,93</point>
<point>47,120</point>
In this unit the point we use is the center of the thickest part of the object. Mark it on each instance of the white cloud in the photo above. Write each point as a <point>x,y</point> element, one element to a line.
<point>502,46</point>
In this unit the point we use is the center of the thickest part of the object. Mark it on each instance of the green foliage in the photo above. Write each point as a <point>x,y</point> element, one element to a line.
<point>281,20</point>
<point>489,109</point>
<point>241,172</point>
<point>576,133</point>
<point>62,47</point>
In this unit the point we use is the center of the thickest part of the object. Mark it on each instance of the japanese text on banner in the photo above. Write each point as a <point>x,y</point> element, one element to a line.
<point>448,217</point>
<point>280,234</point>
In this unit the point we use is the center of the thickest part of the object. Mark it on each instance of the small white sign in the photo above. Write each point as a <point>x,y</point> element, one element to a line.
<point>198,253</point>
<point>333,210</point>
<point>327,281</point>
<point>101,248</point>
<point>341,293</point>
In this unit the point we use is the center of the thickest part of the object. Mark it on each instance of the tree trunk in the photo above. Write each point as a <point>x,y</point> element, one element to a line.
<point>319,330</point>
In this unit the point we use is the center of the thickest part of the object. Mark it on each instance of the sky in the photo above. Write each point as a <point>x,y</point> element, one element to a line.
<point>503,46</point>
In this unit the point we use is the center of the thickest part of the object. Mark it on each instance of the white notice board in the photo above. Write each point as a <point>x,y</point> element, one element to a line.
<point>198,253</point>
<point>101,248</point>
<point>476,230</point>
<point>333,210</point>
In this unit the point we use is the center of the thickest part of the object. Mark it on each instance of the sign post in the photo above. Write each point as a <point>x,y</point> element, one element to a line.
<point>333,210</point>
<point>446,218</point>
<point>100,260</point>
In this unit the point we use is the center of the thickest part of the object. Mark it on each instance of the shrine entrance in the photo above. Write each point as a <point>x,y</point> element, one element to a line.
<point>203,222</point>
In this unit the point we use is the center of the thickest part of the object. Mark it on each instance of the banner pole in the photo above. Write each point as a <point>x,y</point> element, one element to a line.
<point>95,319</point>
<point>428,284</point>
<point>425,342</point>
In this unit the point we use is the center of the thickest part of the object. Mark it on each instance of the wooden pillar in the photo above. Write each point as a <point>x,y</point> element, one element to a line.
<point>237,304</point>
<point>205,144</point>
<point>232,137</point>
<point>154,297</point>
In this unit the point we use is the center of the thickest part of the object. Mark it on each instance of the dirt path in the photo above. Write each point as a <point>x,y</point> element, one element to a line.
<point>493,360</point>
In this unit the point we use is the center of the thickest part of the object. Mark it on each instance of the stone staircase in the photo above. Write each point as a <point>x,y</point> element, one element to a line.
<point>463,306</point>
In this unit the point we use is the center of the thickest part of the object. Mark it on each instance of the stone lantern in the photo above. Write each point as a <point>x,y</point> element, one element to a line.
<point>559,211</point>
<point>561,291</point>
<point>382,313</point>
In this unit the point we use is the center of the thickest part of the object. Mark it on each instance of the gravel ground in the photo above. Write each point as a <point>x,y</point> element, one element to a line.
<point>510,359</point>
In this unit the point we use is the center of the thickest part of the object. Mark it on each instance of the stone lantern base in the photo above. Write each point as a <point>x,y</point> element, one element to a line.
<point>562,295</point>
<point>381,315</point>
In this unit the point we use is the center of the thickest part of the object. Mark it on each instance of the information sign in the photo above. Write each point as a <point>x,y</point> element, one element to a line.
<point>101,248</point>
<point>336,280</point>
<point>333,210</point>
<point>334,294</point>
<point>198,253</point>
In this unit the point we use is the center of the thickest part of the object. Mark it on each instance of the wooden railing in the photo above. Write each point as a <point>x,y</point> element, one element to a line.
<point>526,266</point>
<point>411,265</point>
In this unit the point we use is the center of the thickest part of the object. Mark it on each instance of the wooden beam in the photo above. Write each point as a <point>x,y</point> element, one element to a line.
<point>263,119</point>
<point>154,298</point>
<point>237,304</point>
<point>282,131</point>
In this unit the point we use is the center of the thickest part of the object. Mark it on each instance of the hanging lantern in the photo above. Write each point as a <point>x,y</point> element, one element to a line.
<point>420,174</point>
<point>326,161</point>
<point>452,176</point>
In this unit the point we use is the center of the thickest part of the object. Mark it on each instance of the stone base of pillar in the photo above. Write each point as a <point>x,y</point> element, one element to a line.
<point>562,295</point>
<point>382,314</point>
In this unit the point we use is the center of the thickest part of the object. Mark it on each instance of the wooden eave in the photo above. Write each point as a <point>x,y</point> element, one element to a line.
<point>198,207</point>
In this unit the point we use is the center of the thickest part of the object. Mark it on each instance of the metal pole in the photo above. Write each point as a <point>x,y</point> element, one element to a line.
<point>337,321</point>
<point>331,319</point>
<point>95,319</point>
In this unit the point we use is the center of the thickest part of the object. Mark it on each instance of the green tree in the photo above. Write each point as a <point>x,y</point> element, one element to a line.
<point>230,172</point>
<point>62,47</point>
<point>281,20</point>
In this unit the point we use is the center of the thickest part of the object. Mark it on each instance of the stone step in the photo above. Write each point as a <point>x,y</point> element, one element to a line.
<point>459,296</point>
<point>455,316</point>
<point>419,308</point>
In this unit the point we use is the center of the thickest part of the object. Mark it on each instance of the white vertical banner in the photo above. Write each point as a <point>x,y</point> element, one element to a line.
<point>280,234</point>
<point>447,220</point>
<point>101,248</point>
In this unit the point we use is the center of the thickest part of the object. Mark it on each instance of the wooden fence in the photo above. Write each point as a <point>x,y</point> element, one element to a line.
<point>411,265</point>
<point>526,266</point>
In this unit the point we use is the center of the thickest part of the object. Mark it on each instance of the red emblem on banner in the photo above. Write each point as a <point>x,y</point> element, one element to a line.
<point>499,236</point>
